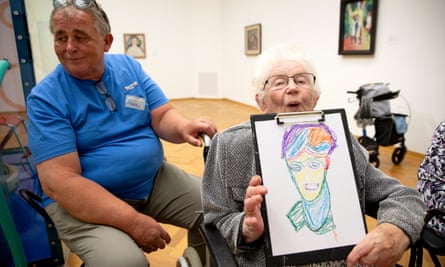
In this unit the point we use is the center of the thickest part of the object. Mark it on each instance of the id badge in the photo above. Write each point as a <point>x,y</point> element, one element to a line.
<point>134,102</point>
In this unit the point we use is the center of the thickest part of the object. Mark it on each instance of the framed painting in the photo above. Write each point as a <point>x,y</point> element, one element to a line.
<point>358,21</point>
<point>134,44</point>
<point>312,210</point>
<point>252,40</point>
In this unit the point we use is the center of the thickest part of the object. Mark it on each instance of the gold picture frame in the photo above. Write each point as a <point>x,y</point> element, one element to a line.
<point>252,40</point>
<point>134,44</point>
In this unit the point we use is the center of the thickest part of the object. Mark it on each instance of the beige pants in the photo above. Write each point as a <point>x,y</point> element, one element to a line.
<point>175,199</point>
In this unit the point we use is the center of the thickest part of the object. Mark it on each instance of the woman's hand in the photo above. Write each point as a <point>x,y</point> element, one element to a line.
<point>381,247</point>
<point>253,224</point>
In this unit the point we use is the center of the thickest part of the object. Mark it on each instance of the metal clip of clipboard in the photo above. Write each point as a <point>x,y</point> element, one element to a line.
<point>300,117</point>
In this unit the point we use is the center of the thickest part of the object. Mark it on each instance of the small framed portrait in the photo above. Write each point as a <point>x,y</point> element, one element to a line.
<point>134,44</point>
<point>252,40</point>
<point>358,21</point>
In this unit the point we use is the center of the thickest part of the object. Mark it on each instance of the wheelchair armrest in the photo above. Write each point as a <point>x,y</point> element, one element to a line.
<point>429,237</point>
<point>434,212</point>
<point>371,210</point>
<point>220,252</point>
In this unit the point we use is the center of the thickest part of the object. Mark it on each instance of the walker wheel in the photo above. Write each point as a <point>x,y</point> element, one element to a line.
<point>374,158</point>
<point>398,154</point>
<point>376,163</point>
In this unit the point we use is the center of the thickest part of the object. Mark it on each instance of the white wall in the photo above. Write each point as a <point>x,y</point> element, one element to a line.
<point>195,49</point>
<point>409,55</point>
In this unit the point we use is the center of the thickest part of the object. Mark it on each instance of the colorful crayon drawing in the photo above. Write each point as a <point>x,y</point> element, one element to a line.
<point>306,149</point>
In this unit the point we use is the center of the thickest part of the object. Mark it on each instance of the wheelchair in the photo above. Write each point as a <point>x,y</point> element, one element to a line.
<point>430,241</point>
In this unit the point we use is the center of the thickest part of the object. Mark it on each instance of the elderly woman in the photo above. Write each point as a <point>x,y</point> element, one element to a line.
<point>431,174</point>
<point>285,81</point>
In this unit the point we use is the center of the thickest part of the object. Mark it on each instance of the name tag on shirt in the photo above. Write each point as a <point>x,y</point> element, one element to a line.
<point>135,102</point>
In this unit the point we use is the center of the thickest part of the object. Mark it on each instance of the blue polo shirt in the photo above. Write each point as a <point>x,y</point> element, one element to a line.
<point>118,150</point>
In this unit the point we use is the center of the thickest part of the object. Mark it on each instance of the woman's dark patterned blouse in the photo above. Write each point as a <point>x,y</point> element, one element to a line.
<point>431,175</point>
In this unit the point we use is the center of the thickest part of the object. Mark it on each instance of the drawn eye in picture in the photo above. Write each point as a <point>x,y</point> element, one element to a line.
<point>135,44</point>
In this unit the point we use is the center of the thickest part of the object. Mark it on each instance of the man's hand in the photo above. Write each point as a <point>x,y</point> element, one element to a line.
<point>382,247</point>
<point>195,128</point>
<point>253,224</point>
<point>149,234</point>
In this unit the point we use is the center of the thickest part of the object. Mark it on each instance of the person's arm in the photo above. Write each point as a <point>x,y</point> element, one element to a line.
<point>173,126</point>
<point>86,200</point>
<point>399,217</point>
<point>229,168</point>
<point>383,246</point>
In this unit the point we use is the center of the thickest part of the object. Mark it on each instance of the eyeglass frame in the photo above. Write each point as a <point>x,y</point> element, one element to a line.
<point>77,3</point>
<point>314,79</point>
<point>109,102</point>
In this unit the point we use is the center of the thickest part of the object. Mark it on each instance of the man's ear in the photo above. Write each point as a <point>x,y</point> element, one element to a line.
<point>108,41</point>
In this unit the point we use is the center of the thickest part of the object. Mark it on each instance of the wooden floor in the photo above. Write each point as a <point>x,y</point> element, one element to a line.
<point>226,113</point>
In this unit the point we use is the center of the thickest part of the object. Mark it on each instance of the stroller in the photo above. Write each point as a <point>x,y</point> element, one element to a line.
<point>374,108</point>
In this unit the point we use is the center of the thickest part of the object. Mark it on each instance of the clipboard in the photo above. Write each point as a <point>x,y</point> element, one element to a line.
<point>312,210</point>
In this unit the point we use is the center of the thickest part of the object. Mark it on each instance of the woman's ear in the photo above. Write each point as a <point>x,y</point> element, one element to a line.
<point>260,102</point>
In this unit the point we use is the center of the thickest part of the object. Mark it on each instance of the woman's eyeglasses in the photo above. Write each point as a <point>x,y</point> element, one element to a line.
<point>279,82</point>
<point>80,4</point>
<point>109,102</point>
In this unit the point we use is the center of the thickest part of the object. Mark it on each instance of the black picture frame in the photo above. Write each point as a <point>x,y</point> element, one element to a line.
<point>358,23</point>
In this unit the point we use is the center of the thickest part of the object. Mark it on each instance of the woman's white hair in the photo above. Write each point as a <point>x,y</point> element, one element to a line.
<point>275,54</point>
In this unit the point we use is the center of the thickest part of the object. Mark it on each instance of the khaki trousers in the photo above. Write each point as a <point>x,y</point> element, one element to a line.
<point>175,199</point>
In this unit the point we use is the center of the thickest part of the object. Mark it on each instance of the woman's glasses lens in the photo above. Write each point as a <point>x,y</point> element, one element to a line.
<point>301,80</point>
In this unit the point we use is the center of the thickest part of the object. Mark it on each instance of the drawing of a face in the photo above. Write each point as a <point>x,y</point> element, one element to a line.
<point>308,172</point>
<point>306,149</point>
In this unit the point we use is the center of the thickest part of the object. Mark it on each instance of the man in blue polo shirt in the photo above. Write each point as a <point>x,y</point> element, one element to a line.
<point>95,125</point>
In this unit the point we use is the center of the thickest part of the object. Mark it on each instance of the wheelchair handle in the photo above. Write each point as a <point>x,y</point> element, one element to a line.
<point>207,141</point>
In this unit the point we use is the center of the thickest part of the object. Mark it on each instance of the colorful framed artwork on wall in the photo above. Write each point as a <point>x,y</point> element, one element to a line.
<point>358,21</point>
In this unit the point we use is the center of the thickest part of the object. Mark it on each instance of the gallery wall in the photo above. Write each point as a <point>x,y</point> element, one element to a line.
<point>408,55</point>
<point>195,48</point>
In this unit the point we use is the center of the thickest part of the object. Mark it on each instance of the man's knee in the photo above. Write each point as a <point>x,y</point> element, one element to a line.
<point>118,258</point>
<point>99,245</point>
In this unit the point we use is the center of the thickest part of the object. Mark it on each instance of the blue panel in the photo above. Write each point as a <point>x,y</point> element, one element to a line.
<point>18,12</point>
